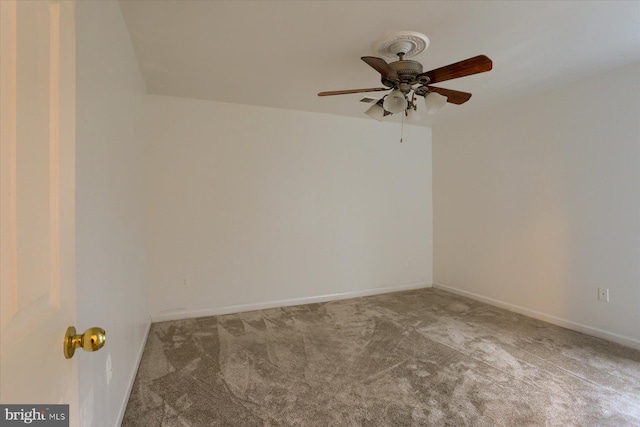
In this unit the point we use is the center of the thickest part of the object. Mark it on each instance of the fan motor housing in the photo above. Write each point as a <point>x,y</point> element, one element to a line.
<point>407,69</point>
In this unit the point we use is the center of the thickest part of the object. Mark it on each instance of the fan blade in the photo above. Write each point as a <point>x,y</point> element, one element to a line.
<point>475,65</point>
<point>453,96</point>
<point>342,92</point>
<point>381,66</point>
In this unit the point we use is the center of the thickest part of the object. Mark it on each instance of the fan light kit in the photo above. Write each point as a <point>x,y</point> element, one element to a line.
<point>406,80</point>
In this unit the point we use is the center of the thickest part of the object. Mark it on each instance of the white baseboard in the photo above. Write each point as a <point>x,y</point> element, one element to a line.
<point>575,326</point>
<point>216,311</point>
<point>132,375</point>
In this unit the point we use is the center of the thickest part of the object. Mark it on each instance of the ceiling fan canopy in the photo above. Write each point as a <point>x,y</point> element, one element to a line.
<point>406,77</point>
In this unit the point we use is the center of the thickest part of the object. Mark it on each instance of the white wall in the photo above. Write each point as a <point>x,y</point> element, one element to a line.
<point>258,206</point>
<point>112,284</point>
<point>537,204</point>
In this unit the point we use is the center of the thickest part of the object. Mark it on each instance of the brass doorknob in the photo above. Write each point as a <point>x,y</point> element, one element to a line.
<point>92,340</point>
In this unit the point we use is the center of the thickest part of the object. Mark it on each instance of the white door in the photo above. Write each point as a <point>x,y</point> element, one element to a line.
<point>37,143</point>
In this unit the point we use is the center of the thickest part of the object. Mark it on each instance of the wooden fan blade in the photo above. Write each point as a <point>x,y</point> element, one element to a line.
<point>381,66</point>
<point>475,65</point>
<point>342,92</point>
<point>453,96</point>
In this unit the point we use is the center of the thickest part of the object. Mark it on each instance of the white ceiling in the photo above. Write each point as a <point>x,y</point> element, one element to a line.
<point>282,53</point>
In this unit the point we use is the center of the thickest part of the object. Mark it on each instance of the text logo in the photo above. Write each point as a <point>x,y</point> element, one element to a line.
<point>35,415</point>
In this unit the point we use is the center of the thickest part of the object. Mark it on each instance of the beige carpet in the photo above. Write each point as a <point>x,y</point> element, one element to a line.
<point>423,357</point>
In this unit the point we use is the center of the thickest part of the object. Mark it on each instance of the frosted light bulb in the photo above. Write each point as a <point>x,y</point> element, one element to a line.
<point>375,112</point>
<point>433,102</point>
<point>412,116</point>
<point>395,102</point>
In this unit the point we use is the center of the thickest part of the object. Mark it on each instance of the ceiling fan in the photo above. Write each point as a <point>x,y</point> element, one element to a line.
<point>406,80</point>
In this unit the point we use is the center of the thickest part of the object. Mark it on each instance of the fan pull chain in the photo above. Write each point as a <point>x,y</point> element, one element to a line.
<point>402,128</point>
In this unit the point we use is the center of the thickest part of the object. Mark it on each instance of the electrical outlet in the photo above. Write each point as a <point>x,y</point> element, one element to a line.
<point>184,283</point>
<point>603,294</point>
<point>409,263</point>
